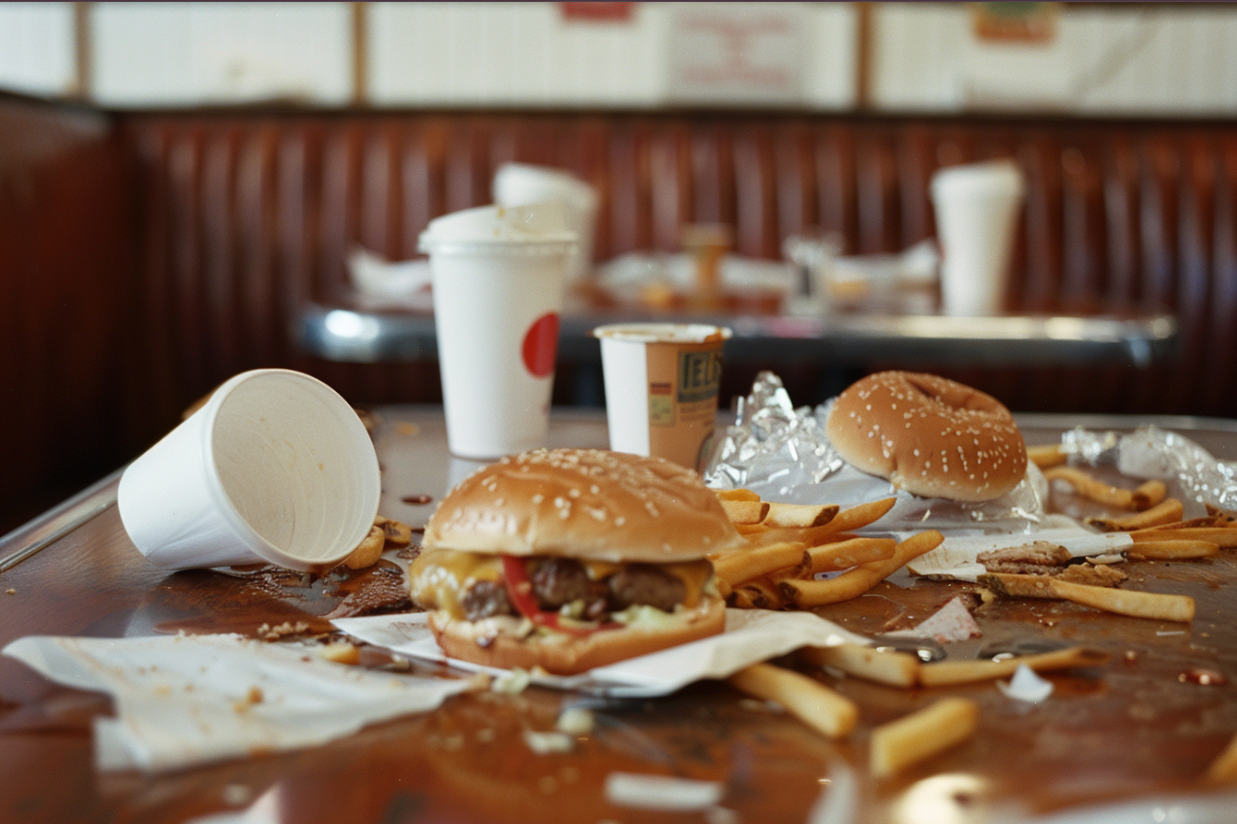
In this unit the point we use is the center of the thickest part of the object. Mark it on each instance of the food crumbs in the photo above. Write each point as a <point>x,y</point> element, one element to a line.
<point>10,591</point>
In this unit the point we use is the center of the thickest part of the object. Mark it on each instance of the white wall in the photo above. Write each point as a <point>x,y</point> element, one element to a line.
<point>1120,58</point>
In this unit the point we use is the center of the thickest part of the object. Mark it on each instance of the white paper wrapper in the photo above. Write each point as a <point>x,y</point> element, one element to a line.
<point>958,555</point>
<point>751,636</point>
<point>182,701</point>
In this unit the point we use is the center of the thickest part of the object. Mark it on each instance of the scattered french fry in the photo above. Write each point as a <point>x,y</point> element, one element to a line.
<point>759,593</point>
<point>894,669</point>
<point>948,673</point>
<point>745,565</point>
<point>850,553</point>
<point>1149,494</point>
<point>736,495</point>
<point>921,735</point>
<point>1123,602</point>
<point>1168,550</point>
<point>860,579</point>
<point>1046,457</point>
<point>1165,512</point>
<point>1223,769</point>
<point>394,532</point>
<point>800,515</point>
<point>368,551</point>
<point>807,699</point>
<point>1218,535</point>
<point>861,515</point>
<point>1091,488</point>
<point>745,512</point>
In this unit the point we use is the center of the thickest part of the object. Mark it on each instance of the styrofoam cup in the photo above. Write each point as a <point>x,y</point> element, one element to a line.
<point>276,467</point>
<point>662,381</point>
<point>976,213</point>
<point>521,184</point>
<point>498,278</point>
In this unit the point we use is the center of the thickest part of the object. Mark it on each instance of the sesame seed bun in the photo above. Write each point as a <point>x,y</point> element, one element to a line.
<point>583,503</point>
<point>928,435</point>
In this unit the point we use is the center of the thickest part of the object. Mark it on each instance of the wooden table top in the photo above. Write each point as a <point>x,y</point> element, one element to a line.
<point>1139,729</point>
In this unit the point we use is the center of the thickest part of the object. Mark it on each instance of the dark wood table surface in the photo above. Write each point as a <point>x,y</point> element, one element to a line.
<point>1139,730</point>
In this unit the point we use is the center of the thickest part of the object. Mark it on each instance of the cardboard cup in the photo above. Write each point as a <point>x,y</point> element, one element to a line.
<point>522,184</point>
<point>662,381</point>
<point>497,300</point>
<point>976,214</point>
<point>276,467</point>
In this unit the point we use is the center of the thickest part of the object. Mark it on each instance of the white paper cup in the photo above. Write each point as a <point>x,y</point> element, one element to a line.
<point>276,467</point>
<point>976,213</point>
<point>522,184</point>
<point>497,299</point>
<point>662,381</point>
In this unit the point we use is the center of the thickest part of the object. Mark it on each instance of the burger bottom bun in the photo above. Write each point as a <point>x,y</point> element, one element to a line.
<point>570,655</point>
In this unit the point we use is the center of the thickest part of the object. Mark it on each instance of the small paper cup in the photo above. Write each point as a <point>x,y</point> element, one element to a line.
<point>661,382</point>
<point>276,467</point>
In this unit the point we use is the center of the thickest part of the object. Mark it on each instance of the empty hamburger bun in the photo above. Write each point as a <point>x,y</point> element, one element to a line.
<point>583,503</point>
<point>928,435</point>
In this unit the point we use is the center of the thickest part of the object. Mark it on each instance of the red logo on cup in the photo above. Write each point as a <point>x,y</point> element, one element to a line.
<point>541,345</point>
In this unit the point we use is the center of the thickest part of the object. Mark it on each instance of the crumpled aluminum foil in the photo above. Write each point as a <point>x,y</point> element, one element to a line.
<point>1153,453</point>
<point>783,454</point>
<point>772,444</point>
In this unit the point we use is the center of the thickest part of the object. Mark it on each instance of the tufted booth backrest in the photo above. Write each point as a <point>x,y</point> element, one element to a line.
<point>246,215</point>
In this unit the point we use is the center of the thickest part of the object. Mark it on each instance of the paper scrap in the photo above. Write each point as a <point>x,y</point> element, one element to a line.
<point>182,701</point>
<point>952,622</point>
<point>1026,685</point>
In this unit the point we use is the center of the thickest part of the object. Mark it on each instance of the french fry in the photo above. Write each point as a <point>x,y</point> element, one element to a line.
<point>1047,456</point>
<point>1149,494</point>
<point>807,699</point>
<point>758,593</point>
<point>949,673</point>
<point>860,579</point>
<point>741,566</point>
<point>368,551</point>
<point>395,532</point>
<point>849,553</point>
<point>1223,769</point>
<point>1218,535</point>
<point>1123,602</point>
<point>745,512</point>
<point>856,517</point>
<point>894,669</point>
<point>736,495</point>
<point>1172,550</point>
<point>921,735</point>
<point>1165,512</point>
<point>800,515</point>
<point>1093,489</point>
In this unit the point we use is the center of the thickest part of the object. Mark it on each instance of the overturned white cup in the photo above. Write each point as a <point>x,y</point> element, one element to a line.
<point>276,467</point>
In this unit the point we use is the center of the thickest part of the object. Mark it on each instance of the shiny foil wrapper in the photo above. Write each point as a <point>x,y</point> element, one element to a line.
<point>783,454</point>
<point>1153,453</point>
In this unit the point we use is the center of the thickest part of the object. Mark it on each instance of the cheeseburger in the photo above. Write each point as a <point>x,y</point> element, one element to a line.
<point>569,559</point>
<point>928,435</point>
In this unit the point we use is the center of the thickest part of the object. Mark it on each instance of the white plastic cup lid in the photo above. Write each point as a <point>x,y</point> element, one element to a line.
<point>537,228</point>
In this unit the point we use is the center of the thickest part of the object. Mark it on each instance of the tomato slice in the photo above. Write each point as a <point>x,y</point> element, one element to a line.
<point>520,591</point>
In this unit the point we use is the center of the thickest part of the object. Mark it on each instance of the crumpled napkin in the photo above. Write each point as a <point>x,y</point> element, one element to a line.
<point>751,636</point>
<point>183,701</point>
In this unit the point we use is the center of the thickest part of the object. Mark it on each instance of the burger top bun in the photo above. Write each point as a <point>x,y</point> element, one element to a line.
<point>928,435</point>
<point>583,503</point>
